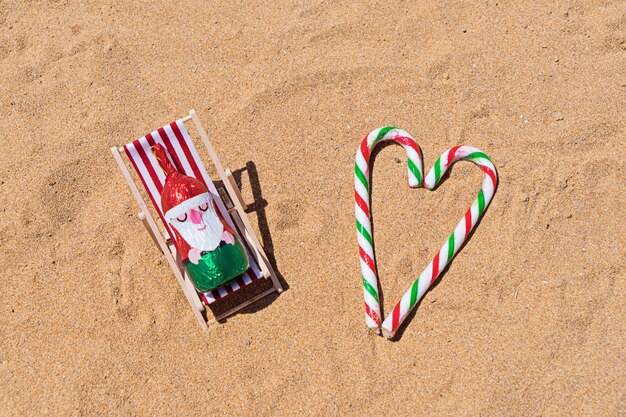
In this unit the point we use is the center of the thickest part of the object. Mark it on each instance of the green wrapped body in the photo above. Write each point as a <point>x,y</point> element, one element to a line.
<point>214,268</point>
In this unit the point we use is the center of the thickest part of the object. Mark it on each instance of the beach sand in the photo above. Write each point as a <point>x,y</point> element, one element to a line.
<point>528,319</point>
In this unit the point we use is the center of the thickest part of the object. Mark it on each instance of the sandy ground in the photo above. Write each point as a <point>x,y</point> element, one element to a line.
<point>527,321</point>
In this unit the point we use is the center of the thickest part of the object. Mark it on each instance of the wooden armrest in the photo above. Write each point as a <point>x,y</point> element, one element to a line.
<point>233,183</point>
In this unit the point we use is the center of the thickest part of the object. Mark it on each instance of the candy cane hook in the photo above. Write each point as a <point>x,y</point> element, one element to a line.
<point>362,209</point>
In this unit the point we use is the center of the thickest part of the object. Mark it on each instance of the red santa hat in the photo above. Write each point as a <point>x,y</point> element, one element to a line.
<point>180,192</point>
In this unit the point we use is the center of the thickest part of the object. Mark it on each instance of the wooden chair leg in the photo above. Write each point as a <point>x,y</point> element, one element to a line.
<point>229,175</point>
<point>142,217</point>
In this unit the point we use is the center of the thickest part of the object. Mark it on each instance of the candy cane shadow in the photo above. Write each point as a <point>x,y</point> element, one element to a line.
<point>444,178</point>
<point>258,206</point>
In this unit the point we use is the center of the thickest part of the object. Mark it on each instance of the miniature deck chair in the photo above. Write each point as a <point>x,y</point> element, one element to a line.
<point>175,138</point>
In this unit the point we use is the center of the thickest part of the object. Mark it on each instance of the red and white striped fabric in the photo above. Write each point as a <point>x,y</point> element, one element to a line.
<point>182,153</point>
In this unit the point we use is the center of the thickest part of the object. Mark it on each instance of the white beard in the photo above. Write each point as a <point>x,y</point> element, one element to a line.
<point>205,240</point>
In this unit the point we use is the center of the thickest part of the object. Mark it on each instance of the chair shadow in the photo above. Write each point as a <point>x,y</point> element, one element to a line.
<point>400,332</point>
<point>258,206</point>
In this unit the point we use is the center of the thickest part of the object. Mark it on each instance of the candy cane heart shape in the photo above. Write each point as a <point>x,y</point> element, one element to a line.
<point>362,209</point>
<point>454,241</point>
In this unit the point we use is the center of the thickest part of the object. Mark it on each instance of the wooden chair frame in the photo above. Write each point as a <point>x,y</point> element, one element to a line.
<point>237,212</point>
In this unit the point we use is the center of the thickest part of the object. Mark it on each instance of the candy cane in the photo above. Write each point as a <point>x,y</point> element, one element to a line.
<point>362,209</point>
<point>452,244</point>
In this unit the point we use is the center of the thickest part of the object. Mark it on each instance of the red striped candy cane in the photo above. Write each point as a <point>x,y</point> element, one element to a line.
<point>362,209</point>
<point>458,236</point>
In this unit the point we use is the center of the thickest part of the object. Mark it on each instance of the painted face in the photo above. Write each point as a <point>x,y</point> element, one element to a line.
<point>197,222</point>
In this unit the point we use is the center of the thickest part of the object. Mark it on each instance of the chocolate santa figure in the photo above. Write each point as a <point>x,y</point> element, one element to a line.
<point>208,247</point>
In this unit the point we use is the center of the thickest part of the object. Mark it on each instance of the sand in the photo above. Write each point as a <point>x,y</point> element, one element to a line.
<point>528,320</point>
